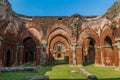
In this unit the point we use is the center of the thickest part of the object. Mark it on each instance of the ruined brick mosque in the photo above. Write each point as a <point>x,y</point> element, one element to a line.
<point>76,39</point>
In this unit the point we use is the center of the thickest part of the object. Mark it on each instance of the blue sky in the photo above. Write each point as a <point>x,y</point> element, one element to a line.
<point>61,7</point>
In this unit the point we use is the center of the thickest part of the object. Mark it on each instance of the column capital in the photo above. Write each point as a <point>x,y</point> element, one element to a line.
<point>51,49</point>
<point>79,46</point>
<point>117,39</point>
<point>74,44</point>
<point>39,46</point>
<point>114,44</point>
<point>21,46</point>
<point>98,46</point>
<point>44,44</point>
<point>1,39</point>
<point>67,49</point>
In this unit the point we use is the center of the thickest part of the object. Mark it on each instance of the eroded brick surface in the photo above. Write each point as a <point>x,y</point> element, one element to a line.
<point>31,39</point>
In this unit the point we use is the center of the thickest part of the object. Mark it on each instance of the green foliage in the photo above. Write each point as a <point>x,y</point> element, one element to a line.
<point>58,48</point>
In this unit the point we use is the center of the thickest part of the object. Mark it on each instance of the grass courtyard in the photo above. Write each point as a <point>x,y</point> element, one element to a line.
<point>62,71</point>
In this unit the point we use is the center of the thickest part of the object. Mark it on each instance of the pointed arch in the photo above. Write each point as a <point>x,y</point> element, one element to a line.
<point>108,52</point>
<point>32,32</point>
<point>29,52</point>
<point>58,26</point>
<point>106,31</point>
<point>58,32</point>
<point>88,33</point>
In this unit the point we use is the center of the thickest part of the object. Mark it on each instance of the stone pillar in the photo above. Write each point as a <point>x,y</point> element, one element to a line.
<point>20,54</point>
<point>38,55</point>
<point>67,55</point>
<point>86,53</point>
<point>44,54</point>
<point>118,47</point>
<point>98,55</point>
<point>51,58</point>
<point>79,55</point>
<point>70,56</point>
<point>17,47</point>
<point>13,55</point>
<point>47,55</point>
<point>116,59</point>
<point>74,54</point>
<point>1,54</point>
<point>102,54</point>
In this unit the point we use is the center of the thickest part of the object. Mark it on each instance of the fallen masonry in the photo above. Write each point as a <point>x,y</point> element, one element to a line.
<point>18,69</point>
<point>88,75</point>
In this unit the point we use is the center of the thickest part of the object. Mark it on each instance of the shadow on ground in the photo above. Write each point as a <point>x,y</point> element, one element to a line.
<point>89,79</point>
<point>110,79</point>
<point>58,62</point>
<point>42,70</point>
<point>87,63</point>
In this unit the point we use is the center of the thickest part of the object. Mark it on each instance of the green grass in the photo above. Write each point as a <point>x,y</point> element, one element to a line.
<point>104,73</point>
<point>62,71</point>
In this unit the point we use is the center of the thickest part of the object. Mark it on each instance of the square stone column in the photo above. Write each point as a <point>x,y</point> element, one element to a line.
<point>44,54</point>
<point>116,59</point>
<point>79,55</point>
<point>39,55</point>
<point>70,56</point>
<point>20,54</point>
<point>118,47</point>
<point>98,55</point>
<point>17,47</point>
<point>47,55</point>
<point>74,54</point>
<point>1,53</point>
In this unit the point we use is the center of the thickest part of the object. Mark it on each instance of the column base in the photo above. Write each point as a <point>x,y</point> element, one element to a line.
<point>76,65</point>
<point>117,68</point>
<point>100,65</point>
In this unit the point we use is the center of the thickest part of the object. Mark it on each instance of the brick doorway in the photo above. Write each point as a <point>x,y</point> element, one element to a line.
<point>90,51</point>
<point>8,59</point>
<point>29,54</point>
<point>59,56</point>
<point>59,51</point>
<point>58,48</point>
<point>108,52</point>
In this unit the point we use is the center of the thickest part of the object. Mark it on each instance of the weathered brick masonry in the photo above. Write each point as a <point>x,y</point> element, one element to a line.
<point>93,39</point>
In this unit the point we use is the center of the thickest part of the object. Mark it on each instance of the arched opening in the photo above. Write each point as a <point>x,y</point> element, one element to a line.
<point>59,51</point>
<point>8,59</point>
<point>108,51</point>
<point>91,51</point>
<point>57,47</point>
<point>29,50</point>
<point>59,56</point>
<point>108,41</point>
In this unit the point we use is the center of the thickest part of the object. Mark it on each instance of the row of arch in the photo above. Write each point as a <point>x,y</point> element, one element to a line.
<point>88,39</point>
